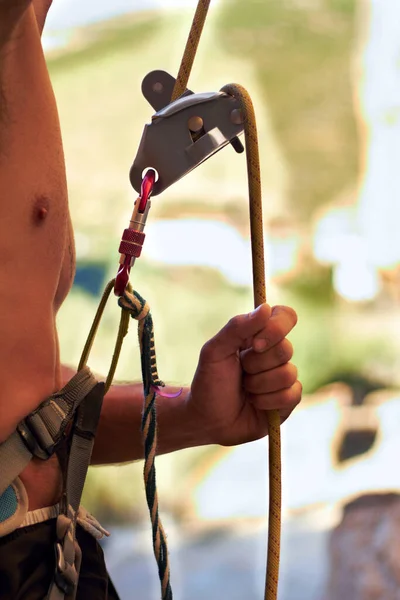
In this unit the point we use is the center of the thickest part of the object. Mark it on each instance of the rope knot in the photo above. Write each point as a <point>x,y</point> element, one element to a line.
<point>135,305</point>
<point>139,310</point>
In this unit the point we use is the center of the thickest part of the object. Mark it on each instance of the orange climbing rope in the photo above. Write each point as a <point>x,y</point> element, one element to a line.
<point>257,245</point>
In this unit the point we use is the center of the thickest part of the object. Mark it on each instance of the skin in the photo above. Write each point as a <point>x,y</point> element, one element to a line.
<point>243,371</point>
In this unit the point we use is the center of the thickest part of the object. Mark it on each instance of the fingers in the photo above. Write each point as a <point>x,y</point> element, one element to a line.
<point>284,400</point>
<point>256,362</point>
<point>234,335</point>
<point>281,322</point>
<point>266,382</point>
<point>264,327</point>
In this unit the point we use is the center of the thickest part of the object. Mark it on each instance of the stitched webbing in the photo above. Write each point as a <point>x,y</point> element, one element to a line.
<point>46,424</point>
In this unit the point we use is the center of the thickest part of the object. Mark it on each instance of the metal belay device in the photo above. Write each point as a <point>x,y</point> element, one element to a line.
<point>184,133</point>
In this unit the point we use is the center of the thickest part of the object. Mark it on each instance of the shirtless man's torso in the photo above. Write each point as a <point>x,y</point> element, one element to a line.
<point>36,246</point>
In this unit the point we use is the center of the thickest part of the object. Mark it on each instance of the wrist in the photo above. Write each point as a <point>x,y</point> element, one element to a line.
<point>179,426</point>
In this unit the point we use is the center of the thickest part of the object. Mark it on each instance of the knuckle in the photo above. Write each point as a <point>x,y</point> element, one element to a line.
<point>291,397</point>
<point>288,398</point>
<point>235,323</point>
<point>206,351</point>
<point>299,391</point>
<point>295,393</point>
<point>284,351</point>
<point>289,375</point>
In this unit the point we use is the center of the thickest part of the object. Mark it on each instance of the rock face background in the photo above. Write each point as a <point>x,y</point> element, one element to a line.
<point>365,550</point>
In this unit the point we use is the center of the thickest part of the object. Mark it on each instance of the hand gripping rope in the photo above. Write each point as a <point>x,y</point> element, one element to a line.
<point>197,125</point>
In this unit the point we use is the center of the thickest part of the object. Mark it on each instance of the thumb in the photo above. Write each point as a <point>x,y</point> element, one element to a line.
<point>232,337</point>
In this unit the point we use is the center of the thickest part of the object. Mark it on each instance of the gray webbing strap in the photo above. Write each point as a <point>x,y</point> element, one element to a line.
<point>14,456</point>
<point>68,555</point>
<point>40,432</point>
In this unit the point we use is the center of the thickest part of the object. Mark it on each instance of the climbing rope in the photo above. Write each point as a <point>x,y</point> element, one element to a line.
<point>189,54</point>
<point>257,250</point>
<point>137,307</point>
<point>133,305</point>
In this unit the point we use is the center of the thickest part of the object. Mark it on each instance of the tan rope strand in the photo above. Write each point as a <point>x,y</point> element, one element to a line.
<point>95,325</point>
<point>191,48</point>
<point>257,249</point>
<point>122,331</point>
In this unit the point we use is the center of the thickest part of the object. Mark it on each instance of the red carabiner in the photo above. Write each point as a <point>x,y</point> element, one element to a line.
<point>122,278</point>
<point>146,190</point>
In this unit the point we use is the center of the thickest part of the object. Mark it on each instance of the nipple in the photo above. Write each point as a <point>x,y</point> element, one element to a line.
<point>40,210</point>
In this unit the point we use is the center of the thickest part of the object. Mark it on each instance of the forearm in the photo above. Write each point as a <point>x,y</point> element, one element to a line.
<point>119,435</point>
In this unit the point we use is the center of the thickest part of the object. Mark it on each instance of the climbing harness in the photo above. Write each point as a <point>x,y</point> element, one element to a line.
<point>186,130</point>
<point>65,424</point>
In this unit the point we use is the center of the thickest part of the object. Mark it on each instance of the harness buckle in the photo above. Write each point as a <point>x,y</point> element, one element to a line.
<point>34,442</point>
<point>184,133</point>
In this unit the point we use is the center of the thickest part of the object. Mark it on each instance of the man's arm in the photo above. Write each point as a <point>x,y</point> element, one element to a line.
<point>243,372</point>
<point>119,437</point>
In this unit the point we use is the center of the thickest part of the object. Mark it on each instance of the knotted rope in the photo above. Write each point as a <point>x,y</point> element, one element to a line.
<point>133,305</point>
<point>139,310</point>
